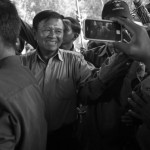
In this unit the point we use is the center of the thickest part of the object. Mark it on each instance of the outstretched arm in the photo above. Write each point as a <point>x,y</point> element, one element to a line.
<point>26,33</point>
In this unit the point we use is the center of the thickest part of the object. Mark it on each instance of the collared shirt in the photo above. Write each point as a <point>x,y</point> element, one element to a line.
<point>59,79</point>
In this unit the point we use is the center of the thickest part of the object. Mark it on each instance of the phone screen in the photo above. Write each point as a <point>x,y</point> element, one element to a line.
<point>102,30</point>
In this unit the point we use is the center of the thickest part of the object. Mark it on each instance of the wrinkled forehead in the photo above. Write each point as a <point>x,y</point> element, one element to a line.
<point>51,22</point>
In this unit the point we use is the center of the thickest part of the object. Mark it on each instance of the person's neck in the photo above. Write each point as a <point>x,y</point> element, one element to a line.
<point>46,55</point>
<point>67,46</point>
<point>6,52</point>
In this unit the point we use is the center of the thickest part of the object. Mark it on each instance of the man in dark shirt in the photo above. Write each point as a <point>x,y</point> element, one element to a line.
<point>106,129</point>
<point>22,114</point>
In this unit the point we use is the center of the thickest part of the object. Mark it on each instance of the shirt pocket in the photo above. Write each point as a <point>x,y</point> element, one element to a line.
<point>65,89</point>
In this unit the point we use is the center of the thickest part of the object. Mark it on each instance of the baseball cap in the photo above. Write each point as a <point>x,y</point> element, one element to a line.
<point>116,8</point>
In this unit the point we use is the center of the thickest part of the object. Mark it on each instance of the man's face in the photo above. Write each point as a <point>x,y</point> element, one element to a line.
<point>69,35</point>
<point>49,34</point>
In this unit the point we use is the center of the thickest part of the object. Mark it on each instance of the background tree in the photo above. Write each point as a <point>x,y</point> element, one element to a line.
<point>88,8</point>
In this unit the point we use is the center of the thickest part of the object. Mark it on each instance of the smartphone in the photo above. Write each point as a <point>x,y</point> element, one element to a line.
<point>102,30</point>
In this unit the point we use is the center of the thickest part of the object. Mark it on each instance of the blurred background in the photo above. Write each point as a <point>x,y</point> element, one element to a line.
<point>79,9</point>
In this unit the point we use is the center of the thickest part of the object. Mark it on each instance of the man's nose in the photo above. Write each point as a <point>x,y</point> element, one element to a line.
<point>52,32</point>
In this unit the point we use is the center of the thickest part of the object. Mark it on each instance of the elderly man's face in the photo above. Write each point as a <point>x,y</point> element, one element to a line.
<point>49,34</point>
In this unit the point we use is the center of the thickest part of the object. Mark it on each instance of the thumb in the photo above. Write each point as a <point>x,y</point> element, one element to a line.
<point>122,47</point>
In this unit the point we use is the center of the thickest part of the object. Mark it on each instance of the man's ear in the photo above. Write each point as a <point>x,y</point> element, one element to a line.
<point>76,35</point>
<point>17,42</point>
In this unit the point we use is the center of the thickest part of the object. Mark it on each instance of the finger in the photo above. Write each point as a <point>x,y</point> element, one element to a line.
<point>127,23</point>
<point>137,99</point>
<point>134,105</point>
<point>121,47</point>
<point>126,119</point>
<point>130,26</point>
<point>134,114</point>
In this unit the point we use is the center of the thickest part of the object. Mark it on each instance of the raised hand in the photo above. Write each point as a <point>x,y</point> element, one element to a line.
<point>139,46</point>
<point>141,107</point>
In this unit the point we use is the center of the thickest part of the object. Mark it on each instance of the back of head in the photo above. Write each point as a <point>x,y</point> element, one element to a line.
<point>75,25</point>
<point>116,8</point>
<point>45,15</point>
<point>9,23</point>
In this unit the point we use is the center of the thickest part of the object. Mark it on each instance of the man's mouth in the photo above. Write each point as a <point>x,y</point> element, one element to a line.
<point>52,42</point>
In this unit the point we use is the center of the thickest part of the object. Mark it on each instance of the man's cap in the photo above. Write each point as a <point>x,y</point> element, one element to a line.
<point>116,8</point>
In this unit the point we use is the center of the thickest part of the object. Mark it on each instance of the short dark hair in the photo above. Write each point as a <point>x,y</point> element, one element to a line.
<point>10,23</point>
<point>45,15</point>
<point>75,25</point>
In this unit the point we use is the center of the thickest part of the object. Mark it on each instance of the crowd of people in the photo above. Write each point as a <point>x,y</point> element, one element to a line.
<point>58,97</point>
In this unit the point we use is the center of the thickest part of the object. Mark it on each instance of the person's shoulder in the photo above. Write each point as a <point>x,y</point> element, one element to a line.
<point>15,80</point>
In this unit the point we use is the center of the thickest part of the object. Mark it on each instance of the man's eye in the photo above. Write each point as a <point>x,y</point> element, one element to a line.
<point>58,31</point>
<point>45,31</point>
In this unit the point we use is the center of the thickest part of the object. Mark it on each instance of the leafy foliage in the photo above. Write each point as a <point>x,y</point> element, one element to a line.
<point>90,8</point>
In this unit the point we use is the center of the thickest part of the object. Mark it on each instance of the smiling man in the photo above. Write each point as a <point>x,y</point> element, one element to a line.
<point>61,73</point>
<point>48,34</point>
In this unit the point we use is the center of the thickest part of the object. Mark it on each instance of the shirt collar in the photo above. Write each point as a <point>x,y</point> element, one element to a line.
<point>58,55</point>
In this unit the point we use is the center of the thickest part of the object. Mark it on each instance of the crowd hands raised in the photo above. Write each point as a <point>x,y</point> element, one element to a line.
<point>68,79</point>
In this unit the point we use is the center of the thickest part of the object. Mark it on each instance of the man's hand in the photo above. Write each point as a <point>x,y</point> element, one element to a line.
<point>141,107</point>
<point>113,68</point>
<point>139,46</point>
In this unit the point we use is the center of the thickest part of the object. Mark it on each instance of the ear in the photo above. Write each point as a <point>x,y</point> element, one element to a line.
<point>17,42</point>
<point>76,35</point>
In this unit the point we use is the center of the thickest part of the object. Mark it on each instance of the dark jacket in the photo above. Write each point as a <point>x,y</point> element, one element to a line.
<point>22,120</point>
<point>104,126</point>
